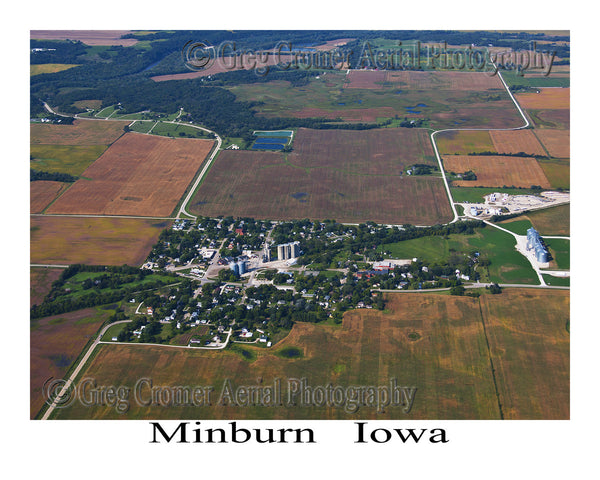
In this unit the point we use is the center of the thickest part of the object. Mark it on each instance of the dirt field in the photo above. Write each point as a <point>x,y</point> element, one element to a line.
<point>497,171</point>
<point>42,192</point>
<point>95,241</point>
<point>82,132</point>
<point>365,79</point>
<point>533,380</point>
<point>435,343</point>
<point>548,98</point>
<point>138,175</point>
<point>40,282</point>
<point>345,175</point>
<point>89,37</point>
<point>557,142</point>
<point>516,141</point>
<point>461,81</point>
<point>55,342</point>
<point>463,142</point>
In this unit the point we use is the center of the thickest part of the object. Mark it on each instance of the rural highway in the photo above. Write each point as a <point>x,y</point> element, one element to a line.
<point>439,158</point>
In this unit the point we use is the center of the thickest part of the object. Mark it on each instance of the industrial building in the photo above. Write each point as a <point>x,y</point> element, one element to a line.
<point>534,242</point>
<point>288,251</point>
<point>239,267</point>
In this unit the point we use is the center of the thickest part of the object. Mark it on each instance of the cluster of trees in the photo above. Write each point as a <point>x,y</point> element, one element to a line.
<point>35,175</point>
<point>422,169</point>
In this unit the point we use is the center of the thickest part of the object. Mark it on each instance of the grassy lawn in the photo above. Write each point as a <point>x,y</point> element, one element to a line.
<point>113,332</point>
<point>557,281</point>
<point>519,227</point>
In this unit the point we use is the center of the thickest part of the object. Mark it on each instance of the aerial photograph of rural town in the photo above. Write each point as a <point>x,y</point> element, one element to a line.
<point>299,224</point>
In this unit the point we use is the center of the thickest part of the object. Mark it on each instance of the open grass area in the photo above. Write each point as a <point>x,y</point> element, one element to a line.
<point>71,159</point>
<point>560,250</point>
<point>82,132</point>
<point>36,69</point>
<point>507,265</point>
<point>547,221</point>
<point>476,194</point>
<point>436,343</point>
<point>557,281</point>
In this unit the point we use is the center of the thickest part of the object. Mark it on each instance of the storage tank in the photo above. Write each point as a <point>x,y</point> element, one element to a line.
<point>234,268</point>
<point>241,267</point>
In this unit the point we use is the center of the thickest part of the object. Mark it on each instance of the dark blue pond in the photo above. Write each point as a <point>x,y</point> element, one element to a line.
<point>270,140</point>
<point>267,146</point>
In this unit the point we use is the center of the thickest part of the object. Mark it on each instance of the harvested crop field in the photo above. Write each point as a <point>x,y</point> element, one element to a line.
<point>547,99</point>
<point>365,79</point>
<point>344,175</point>
<point>436,343</point>
<point>364,151</point>
<point>516,141</point>
<point>43,192</point>
<point>55,342</point>
<point>89,37</point>
<point>549,221</point>
<point>557,142</point>
<point>82,132</point>
<point>138,175</point>
<point>464,142</point>
<point>529,345</point>
<point>94,241</point>
<point>496,171</point>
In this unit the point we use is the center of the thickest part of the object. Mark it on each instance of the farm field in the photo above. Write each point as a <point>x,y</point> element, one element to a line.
<point>529,345</point>
<point>89,37</point>
<point>516,141</point>
<point>557,172</point>
<point>40,282</point>
<point>36,69</point>
<point>324,177</point>
<point>43,192</point>
<point>464,142</point>
<point>55,342</point>
<point>435,343</point>
<point>556,119</point>
<point>547,99</point>
<point>82,132</point>
<point>496,171</point>
<point>59,240</point>
<point>557,142</point>
<point>138,175</point>
<point>443,100</point>
<point>560,250</point>
<point>71,159</point>
<point>549,221</point>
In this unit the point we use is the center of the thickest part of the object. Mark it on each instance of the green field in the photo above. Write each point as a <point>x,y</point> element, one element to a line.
<point>547,221</point>
<point>476,194</point>
<point>561,251</point>
<point>557,281</point>
<point>71,159</point>
<point>507,265</point>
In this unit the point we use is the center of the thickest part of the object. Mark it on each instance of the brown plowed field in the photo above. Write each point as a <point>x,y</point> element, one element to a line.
<point>94,241</point>
<point>548,98</point>
<point>82,132</point>
<point>42,192</point>
<point>497,171</point>
<point>557,142</point>
<point>138,175</point>
<point>365,79</point>
<point>40,283</point>
<point>516,141</point>
<point>349,176</point>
